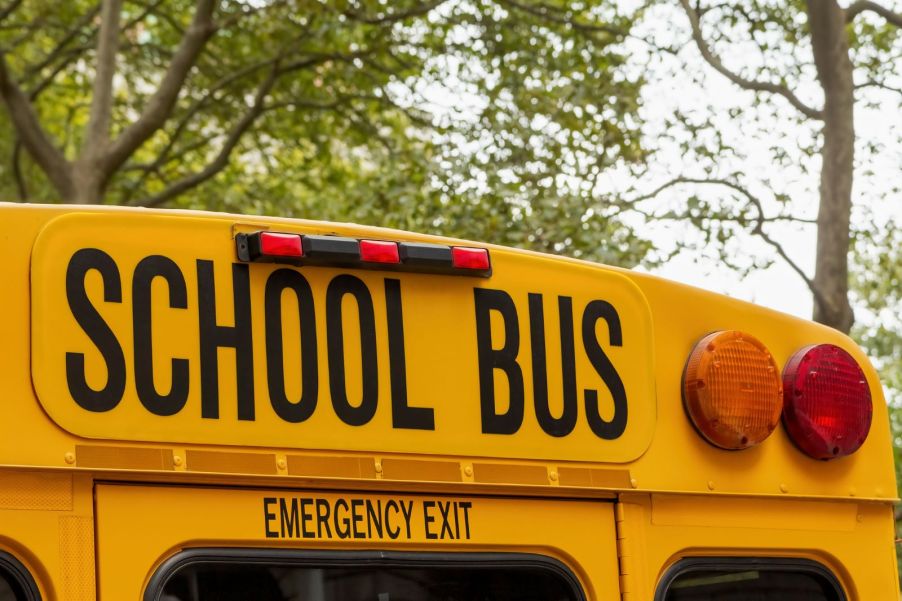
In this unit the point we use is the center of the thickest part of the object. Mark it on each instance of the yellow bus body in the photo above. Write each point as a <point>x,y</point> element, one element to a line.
<point>96,498</point>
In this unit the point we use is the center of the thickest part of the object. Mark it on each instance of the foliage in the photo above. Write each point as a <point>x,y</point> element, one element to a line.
<point>741,103</point>
<point>765,161</point>
<point>487,119</point>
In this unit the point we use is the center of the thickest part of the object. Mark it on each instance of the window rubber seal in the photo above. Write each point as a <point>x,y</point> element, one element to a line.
<point>776,564</point>
<point>13,568</point>
<point>350,558</point>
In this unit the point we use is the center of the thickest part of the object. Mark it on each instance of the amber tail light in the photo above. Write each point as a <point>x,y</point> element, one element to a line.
<point>732,390</point>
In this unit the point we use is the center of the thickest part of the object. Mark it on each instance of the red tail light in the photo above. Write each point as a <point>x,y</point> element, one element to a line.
<point>827,405</point>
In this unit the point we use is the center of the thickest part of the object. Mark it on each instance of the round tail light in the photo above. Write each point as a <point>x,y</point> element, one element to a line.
<point>827,402</point>
<point>732,390</point>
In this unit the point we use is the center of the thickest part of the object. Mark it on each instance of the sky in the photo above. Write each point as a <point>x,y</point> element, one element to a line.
<point>688,84</point>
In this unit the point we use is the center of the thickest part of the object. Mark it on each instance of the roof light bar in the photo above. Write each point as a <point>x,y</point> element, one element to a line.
<point>418,257</point>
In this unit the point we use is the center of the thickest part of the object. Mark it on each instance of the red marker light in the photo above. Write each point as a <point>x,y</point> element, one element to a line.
<point>827,406</point>
<point>379,251</point>
<point>280,245</point>
<point>463,257</point>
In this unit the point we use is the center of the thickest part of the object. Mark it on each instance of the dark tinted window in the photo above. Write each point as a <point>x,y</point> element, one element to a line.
<point>750,580</point>
<point>368,580</point>
<point>16,583</point>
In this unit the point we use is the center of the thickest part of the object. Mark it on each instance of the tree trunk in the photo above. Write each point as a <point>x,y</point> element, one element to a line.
<point>834,69</point>
<point>88,184</point>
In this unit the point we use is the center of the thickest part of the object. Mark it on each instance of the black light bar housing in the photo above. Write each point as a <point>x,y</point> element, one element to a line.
<point>340,251</point>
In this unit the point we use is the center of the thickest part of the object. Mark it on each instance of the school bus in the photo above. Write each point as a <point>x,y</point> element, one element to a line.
<point>208,407</point>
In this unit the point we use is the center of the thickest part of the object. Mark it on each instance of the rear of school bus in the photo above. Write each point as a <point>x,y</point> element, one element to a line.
<point>201,407</point>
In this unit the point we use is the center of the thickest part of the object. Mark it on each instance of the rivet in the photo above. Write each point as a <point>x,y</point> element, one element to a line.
<point>851,492</point>
<point>176,460</point>
<point>710,484</point>
<point>69,457</point>
<point>634,483</point>
<point>468,471</point>
<point>378,467</point>
<point>552,475</point>
<point>859,517</point>
<point>281,464</point>
<point>784,488</point>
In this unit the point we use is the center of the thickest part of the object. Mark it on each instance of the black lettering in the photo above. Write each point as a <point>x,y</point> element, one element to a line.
<point>268,517</point>
<point>306,516</point>
<point>407,510</point>
<point>504,359</point>
<point>357,517</point>
<point>466,505</point>
<point>456,522</point>
<point>608,430</point>
<point>291,411</point>
<point>445,511</point>
<point>214,336</point>
<point>322,518</point>
<point>428,519</point>
<point>97,329</point>
<point>289,517</point>
<point>402,415</point>
<point>342,525</point>
<point>373,518</point>
<point>563,425</point>
<point>392,533</point>
<point>348,413</point>
<point>148,269</point>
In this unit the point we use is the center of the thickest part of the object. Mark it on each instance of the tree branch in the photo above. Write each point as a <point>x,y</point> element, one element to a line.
<point>47,81</point>
<point>209,93</point>
<point>160,104</point>
<point>746,84</point>
<point>861,6</point>
<point>758,228</point>
<point>34,70</point>
<point>878,84</point>
<point>418,10</point>
<point>543,11</point>
<point>32,135</point>
<point>98,129</point>
<point>222,158</point>
<point>248,12</point>
<point>21,187</point>
<point>9,9</point>
<point>72,54</point>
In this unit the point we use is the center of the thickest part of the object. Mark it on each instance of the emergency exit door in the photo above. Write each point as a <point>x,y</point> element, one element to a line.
<point>181,543</point>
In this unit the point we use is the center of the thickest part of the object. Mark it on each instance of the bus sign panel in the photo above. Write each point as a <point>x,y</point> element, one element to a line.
<point>147,328</point>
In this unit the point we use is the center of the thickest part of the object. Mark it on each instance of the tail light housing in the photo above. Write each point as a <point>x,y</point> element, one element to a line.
<point>732,390</point>
<point>827,402</point>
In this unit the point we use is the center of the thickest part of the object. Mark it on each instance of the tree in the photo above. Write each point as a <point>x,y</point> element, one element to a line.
<point>806,66</point>
<point>486,118</point>
<point>801,73</point>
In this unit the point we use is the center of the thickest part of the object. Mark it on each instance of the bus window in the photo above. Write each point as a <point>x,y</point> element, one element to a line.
<point>745,579</point>
<point>16,584</point>
<point>245,575</point>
